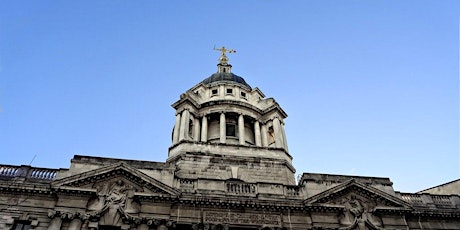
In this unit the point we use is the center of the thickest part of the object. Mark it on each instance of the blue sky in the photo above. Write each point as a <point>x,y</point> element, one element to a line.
<point>371,87</point>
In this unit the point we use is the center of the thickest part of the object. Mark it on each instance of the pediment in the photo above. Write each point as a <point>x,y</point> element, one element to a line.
<point>102,178</point>
<point>350,192</point>
<point>186,100</point>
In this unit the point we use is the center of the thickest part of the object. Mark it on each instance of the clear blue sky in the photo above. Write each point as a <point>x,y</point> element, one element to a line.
<point>371,87</point>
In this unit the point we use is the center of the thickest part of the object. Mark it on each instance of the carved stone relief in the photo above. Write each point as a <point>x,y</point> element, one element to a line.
<point>114,202</point>
<point>217,217</point>
<point>358,214</point>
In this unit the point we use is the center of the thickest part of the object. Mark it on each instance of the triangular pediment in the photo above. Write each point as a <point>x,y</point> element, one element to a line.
<point>98,178</point>
<point>352,191</point>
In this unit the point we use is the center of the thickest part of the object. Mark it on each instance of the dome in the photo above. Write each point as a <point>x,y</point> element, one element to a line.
<point>225,77</point>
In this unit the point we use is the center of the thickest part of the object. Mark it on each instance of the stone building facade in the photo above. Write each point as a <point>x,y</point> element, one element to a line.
<point>228,168</point>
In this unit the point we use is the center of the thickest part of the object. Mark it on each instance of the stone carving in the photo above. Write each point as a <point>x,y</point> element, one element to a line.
<point>356,208</point>
<point>359,213</point>
<point>114,203</point>
<point>242,218</point>
<point>64,215</point>
<point>201,226</point>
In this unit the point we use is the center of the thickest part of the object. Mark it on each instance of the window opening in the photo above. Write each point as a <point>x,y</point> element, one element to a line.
<point>271,135</point>
<point>190,129</point>
<point>243,95</point>
<point>229,91</point>
<point>230,130</point>
<point>21,225</point>
<point>214,92</point>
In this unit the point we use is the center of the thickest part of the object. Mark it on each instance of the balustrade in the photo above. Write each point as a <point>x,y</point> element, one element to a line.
<point>442,200</point>
<point>412,198</point>
<point>26,171</point>
<point>241,188</point>
<point>423,199</point>
<point>9,171</point>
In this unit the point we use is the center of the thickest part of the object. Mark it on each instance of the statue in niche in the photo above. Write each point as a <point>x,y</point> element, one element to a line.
<point>271,135</point>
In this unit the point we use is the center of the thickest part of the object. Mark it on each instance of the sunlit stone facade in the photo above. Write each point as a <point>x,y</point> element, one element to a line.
<point>228,168</point>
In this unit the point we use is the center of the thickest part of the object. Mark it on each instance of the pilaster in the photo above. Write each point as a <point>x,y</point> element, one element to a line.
<point>204,129</point>
<point>257,133</point>
<point>241,129</point>
<point>176,129</point>
<point>222,130</point>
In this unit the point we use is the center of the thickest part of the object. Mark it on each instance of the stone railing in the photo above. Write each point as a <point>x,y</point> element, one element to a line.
<point>9,171</point>
<point>447,201</point>
<point>442,200</point>
<point>292,190</point>
<point>241,188</point>
<point>29,172</point>
<point>412,198</point>
<point>186,183</point>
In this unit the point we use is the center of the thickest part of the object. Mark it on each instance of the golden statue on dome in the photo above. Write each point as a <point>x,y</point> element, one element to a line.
<point>224,50</point>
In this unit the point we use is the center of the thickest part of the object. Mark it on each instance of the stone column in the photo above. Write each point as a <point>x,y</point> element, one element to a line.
<point>264,135</point>
<point>75,224</point>
<point>204,129</point>
<point>223,126</point>
<point>176,129</point>
<point>196,130</point>
<point>278,137</point>
<point>183,130</point>
<point>55,223</point>
<point>284,137</point>
<point>241,129</point>
<point>257,133</point>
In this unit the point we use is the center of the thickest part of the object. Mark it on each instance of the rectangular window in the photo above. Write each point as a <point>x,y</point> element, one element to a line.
<point>21,225</point>
<point>229,91</point>
<point>230,130</point>
<point>214,92</point>
<point>243,95</point>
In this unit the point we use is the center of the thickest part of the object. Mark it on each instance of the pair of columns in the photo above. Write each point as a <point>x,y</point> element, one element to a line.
<point>182,127</point>
<point>223,129</point>
<point>279,135</point>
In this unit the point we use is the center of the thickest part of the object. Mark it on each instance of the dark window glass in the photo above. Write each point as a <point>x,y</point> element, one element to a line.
<point>231,130</point>
<point>21,225</point>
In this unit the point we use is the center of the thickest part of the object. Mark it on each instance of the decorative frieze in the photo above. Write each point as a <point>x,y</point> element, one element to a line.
<point>242,218</point>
